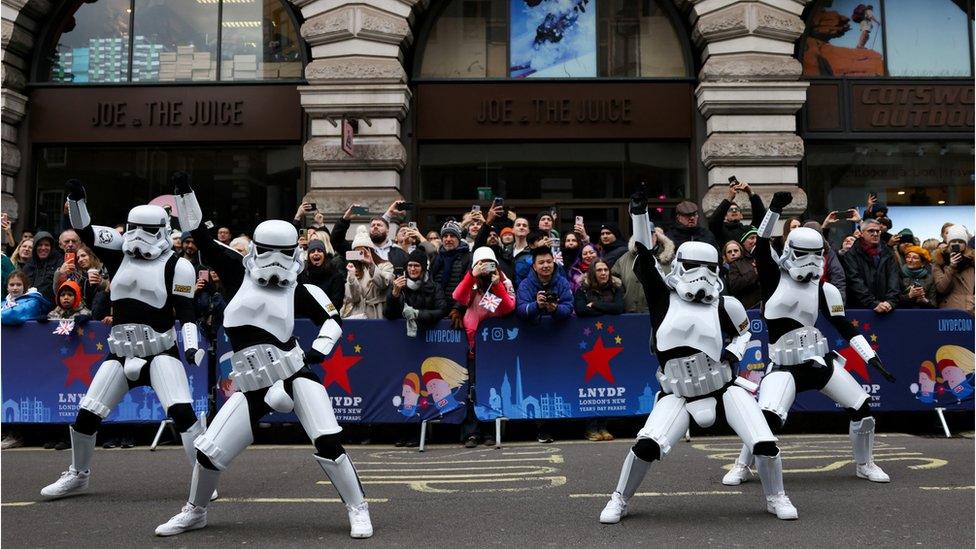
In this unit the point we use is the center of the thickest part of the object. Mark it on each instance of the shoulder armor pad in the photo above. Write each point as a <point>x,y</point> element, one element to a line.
<point>835,303</point>
<point>322,299</point>
<point>737,313</point>
<point>184,278</point>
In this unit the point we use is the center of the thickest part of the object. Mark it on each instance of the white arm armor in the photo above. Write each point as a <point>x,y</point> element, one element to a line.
<point>768,224</point>
<point>78,214</point>
<point>190,213</point>
<point>331,331</point>
<point>737,314</point>
<point>863,348</point>
<point>643,230</point>
<point>107,238</point>
<point>191,340</point>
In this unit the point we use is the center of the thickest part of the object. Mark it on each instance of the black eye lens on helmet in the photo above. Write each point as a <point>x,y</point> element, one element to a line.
<point>695,264</point>
<point>143,226</point>
<point>799,253</point>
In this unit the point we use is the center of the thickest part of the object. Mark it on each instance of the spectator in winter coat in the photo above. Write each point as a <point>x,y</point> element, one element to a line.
<point>413,297</point>
<point>366,281</point>
<point>452,261</point>
<point>741,276</point>
<point>43,265</point>
<point>543,292</point>
<point>524,261</point>
<point>873,280</point>
<point>917,280</point>
<point>479,303</point>
<point>22,303</point>
<point>833,268</point>
<point>686,228</point>
<point>490,236</point>
<point>726,223</point>
<point>69,304</point>
<point>570,247</point>
<point>954,271</point>
<point>582,265</point>
<point>612,245</point>
<point>634,299</point>
<point>600,293</point>
<point>209,302</point>
<point>23,253</point>
<point>325,272</point>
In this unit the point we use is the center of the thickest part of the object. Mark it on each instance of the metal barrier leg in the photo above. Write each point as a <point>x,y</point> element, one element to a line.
<point>945,426</point>
<point>159,433</point>
<point>423,436</point>
<point>498,431</point>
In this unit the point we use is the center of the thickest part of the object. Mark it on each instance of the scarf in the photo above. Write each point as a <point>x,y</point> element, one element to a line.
<point>921,272</point>
<point>873,250</point>
<point>414,285</point>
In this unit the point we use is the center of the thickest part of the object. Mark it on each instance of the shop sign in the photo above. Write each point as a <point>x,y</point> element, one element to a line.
<point>912,108</point>
<point>165,113</point>
<point>554,110</point>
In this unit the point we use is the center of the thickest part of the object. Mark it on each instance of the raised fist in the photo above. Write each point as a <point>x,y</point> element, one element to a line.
<point>780,200</point>
<point>181,183</point>
<point>638,200</point>
<point>76,190</point>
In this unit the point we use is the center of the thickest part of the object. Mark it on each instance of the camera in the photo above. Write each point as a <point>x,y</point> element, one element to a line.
<point>733,181</point>
<point>398,272</point>
<point>551,296</point>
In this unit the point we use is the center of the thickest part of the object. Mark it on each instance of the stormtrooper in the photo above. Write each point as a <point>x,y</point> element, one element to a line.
<point>269,368</point>
<point>151,288</point>
<point>698,338</point>
<point>799,355</point>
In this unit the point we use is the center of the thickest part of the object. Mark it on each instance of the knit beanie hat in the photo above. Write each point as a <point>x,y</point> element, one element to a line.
<point>316,244</point>
<point>957,232</point>
<point>362,238</point>
<point>418,256</point>
<point>749,232</point>
<point>451,227</point>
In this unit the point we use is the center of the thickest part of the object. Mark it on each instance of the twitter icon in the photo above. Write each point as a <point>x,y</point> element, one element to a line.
<point>512,334</point>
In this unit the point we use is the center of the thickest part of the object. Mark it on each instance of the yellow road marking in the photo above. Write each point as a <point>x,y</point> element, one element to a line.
<point>666,494</point>
<point>550,459</point>
<point>18,503</point>
<point>293,500</point>
<point>450,469</point>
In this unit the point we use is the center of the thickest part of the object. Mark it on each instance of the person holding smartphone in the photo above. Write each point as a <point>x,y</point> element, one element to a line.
<point>726,222</point>
<point>414,298</point>
<point>953,271</point>
<point>917,281</point>
<point>368,276</point>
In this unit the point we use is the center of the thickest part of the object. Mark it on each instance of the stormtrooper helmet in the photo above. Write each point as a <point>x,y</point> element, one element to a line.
<point>694,273</point>
<point>273,256</point>
<point>802,255</point>
<point>147,233</point>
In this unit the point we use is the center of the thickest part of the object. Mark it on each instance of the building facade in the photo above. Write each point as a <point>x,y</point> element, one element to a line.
<point>565,103</point>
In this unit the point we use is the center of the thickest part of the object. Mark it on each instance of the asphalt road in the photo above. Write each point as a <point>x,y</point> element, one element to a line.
<point>525,494</point>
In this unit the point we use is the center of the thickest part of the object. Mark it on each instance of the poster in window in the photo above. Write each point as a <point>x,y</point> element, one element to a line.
<point>844,39</point>
<point>553,39</point>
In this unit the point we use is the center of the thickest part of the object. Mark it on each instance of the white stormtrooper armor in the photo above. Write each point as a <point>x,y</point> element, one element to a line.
<point>687,317</point>
<point>791,308</point>
<point>265,297</point>
<point>147,285</point>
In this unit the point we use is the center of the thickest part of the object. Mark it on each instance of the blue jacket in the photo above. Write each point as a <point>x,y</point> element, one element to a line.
<point>527,308</point>
<point>523,266</point>
<point>30,306</point>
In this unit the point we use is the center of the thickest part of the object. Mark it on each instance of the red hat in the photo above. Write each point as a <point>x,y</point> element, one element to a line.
<point>74,287</point>
<point>430,376</point>
<point>506,230</point>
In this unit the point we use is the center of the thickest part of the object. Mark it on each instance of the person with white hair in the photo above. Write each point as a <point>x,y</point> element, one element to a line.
<point>871,270</point>
<point>794,297</point>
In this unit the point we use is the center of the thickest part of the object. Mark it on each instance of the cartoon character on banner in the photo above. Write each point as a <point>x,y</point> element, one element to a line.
<point>443,378</point>
<point>953,369</point>
<point>752,366</point>
<point>410,395</point>
<point>225,384</point>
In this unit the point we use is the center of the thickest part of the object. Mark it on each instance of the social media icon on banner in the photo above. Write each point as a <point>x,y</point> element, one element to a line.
<point>484,334</point>
<point>497,334</point>
<point>512,334</point>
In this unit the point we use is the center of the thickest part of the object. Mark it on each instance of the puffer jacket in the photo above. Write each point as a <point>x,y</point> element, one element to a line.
<point>634,299</point>
<point>954,285</point>
<point>448,269</point>
<point>428,299</point>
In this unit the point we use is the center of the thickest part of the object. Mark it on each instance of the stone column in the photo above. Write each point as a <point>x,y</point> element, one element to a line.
<point>749,94</point>
<point>356,71</point>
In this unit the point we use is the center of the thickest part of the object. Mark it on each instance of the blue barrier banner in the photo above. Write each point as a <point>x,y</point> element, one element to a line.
<point>376,374</point>
<point>47,368</point>
<point>577,368</point>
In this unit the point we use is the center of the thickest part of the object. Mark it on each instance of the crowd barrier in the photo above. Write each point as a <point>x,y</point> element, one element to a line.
<point>578,368</point>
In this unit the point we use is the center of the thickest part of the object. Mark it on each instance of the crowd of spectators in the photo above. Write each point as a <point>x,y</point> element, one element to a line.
<point>492,262</point>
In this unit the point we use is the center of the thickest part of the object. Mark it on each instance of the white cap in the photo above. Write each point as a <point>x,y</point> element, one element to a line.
<point>956,232</point>
<point>483,253</point>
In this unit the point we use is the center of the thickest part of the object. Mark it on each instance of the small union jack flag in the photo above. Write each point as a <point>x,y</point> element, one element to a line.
<point>490,302</point>
<point>65,327</point>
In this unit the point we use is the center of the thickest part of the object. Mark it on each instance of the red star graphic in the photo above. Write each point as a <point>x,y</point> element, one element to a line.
<point>337,369</point>
<point>351,337</point>
<point>79,366</point>
<point>92,335</point>
<point>866,326</point>
<point>610,329</point>
<point>855,364</point>
<point>598,360</point>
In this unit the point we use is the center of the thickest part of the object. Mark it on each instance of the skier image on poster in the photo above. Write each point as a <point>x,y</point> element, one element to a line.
<point>552,39</point>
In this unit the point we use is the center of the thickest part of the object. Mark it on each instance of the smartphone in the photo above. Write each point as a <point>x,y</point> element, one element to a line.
<point>360,210</point>
<point>405,206</point>
<point>733,181</point>
<point>476,208</point>
<point>69,257</point>
<point>354,255</point>
<point>955,248</point>
<point>398,272</point>
<point>208,224</point>
<point>489,267</point>
<point>312,206</point>
<point>498,201</point>
<point>846,214</point>
<point>204,275</point>
<point>579,220</point>
<point>412,225</point>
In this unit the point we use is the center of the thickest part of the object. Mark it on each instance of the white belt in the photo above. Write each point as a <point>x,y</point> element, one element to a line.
<point>139,340</point>
<point>798,346</point>
<point>694,375</point>
<point>259,366</point>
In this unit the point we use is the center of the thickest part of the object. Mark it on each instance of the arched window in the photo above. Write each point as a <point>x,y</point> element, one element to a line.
<point>478,39</point>
<point>118,41</point>
<point>902,38</point>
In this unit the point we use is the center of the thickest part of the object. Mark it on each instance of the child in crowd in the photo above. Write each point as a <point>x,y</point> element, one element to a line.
<point>69,302</point>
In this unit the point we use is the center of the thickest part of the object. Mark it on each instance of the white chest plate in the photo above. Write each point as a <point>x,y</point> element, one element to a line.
<point>271,309</point>
<point>142,280</point>
<point>797,300</point>
<point>694,325</point>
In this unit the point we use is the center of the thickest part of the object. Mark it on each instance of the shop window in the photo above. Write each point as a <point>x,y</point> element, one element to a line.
<point>552,39</point>
<point>556,172</point>
<point>848,38</point>
<point>174,41</point>
<point>238,186</point>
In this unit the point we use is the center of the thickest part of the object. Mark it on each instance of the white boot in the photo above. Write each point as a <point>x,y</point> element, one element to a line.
<point>346,481</point>
<point>771,474</point>
<point>76,478</point>
<point>359,524</point>
<point>862,440</point>
<point>189,518</point>
<point>615,510</point>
